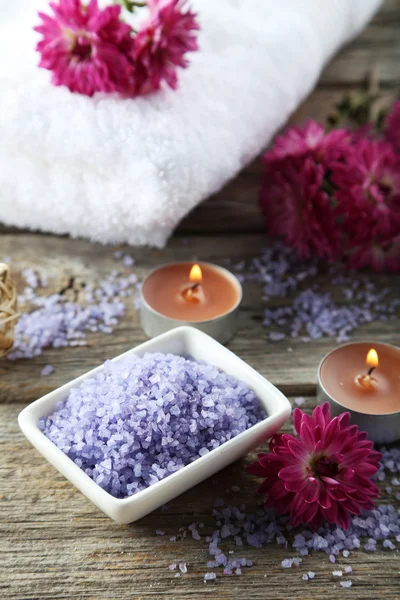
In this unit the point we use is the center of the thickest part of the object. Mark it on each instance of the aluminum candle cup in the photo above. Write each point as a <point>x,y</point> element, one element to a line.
<point>203,295</point>
<point>369,391</point>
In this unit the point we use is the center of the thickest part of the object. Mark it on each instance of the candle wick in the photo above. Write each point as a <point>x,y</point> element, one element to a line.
<point>370,370</point>
<point>195,286</point>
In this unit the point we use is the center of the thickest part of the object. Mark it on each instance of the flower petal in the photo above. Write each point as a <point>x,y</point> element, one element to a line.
<point>312,490</point>
<point>293,472</point>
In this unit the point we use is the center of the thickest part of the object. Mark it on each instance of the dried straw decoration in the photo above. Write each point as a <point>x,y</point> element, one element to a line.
<point>8,310</point>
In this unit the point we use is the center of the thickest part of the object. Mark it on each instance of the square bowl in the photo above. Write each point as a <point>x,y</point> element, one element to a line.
<point>184,341</point>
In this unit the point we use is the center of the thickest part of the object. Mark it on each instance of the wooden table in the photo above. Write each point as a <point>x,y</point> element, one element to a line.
<point>54,543</point>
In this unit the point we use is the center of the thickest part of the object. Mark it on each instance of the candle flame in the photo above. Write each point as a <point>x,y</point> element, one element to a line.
<point>195,274</point>
<point>372,358</point>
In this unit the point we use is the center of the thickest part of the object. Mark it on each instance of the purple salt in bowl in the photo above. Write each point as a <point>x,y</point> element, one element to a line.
<point>183,341</point>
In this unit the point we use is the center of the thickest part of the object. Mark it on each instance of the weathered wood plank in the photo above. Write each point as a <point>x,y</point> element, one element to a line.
<point>56,545</point>
<point>289,364</point>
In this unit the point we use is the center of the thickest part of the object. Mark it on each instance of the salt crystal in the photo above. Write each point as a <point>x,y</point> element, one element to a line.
<point>311,574</point>
<point>346,584</point>
<point>299,401</point>
<point>348,569</point>
<point>160,532</point>
<point>47,370</point>
<point>209,576</point>
<point>183,567</point>
<point>337,573</point>
<point>123,454</point>
<point>287,563</point>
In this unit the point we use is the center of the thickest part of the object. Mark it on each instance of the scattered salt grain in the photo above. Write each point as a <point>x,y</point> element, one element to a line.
<point>311,312</point>
<point>47,370</point>
<point>128,261</point>
<point>346,553</point>
<point>337,573</point>
<point>305,577</point>
<point>130,425</point>
<point>287,563</point>
<point>299,401</point>
<point>63,319</point>
<point>172,567</point>
<point>348,569</point>
<point>311,574</point>
<point>209,576</point>
<point>346,584</point>
<point>160,532</point>
<point>183,567</point>
<point>332,558</point>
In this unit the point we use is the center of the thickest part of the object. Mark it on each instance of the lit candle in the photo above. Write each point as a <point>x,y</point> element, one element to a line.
<point>364,378</point>
<point>202,295</point>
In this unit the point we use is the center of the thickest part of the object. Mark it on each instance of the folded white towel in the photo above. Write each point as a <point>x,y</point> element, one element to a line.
<point>128,170</point>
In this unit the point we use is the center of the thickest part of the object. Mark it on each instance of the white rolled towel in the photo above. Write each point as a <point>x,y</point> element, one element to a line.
<point>117,170</point>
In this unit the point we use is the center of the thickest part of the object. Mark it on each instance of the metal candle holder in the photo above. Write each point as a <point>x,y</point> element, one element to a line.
<point>222,328</point>
<point>382,428</point>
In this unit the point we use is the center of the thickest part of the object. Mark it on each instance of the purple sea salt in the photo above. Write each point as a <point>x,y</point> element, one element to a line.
<point>380,525</point>
<point>57,321</point>
<point>287,563</point>
<point>348,569</point>
<point>143,418</point>
<point>128,261</point>
<point>346,584</point>
<point>160,532</point>
<point>337,573</point>
<point>183,567</point>
<point>210,576</point>
<point>300,401</point>
<point>312,312</point>
<point>47,370</point>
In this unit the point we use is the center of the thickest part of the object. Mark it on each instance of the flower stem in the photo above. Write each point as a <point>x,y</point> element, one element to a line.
<point>130,5</point>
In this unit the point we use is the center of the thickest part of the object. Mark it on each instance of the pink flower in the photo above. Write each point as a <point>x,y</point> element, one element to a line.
<point>368,197</point>
<point>161,44</point>
<point>393,127</point>
<point>323,474</point>
<point>310,140</point>
<point>380,254</point>
<point>297,208</point>
<point>86,48</point>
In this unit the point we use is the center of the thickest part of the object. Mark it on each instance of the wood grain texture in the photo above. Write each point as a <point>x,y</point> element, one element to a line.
<point>291,365</point>
<point>54,544</point>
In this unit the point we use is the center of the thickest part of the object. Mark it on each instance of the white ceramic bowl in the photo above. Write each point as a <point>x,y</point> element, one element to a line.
<point>185,341</point>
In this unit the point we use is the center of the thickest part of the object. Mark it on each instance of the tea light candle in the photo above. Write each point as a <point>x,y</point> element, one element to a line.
<point>364,378</point>
<point>202,295</point>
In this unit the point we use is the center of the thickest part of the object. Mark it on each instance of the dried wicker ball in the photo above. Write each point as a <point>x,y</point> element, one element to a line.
<point>8,310</point>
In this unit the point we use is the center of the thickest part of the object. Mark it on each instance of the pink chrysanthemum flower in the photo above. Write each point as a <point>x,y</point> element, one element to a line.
<point>311,140</point>
<point>86,48</point>
<point>324,474</point>
<point>162,43</point>
<point>297,208</point>
<point>393,127</point>
<point>368,196</point>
